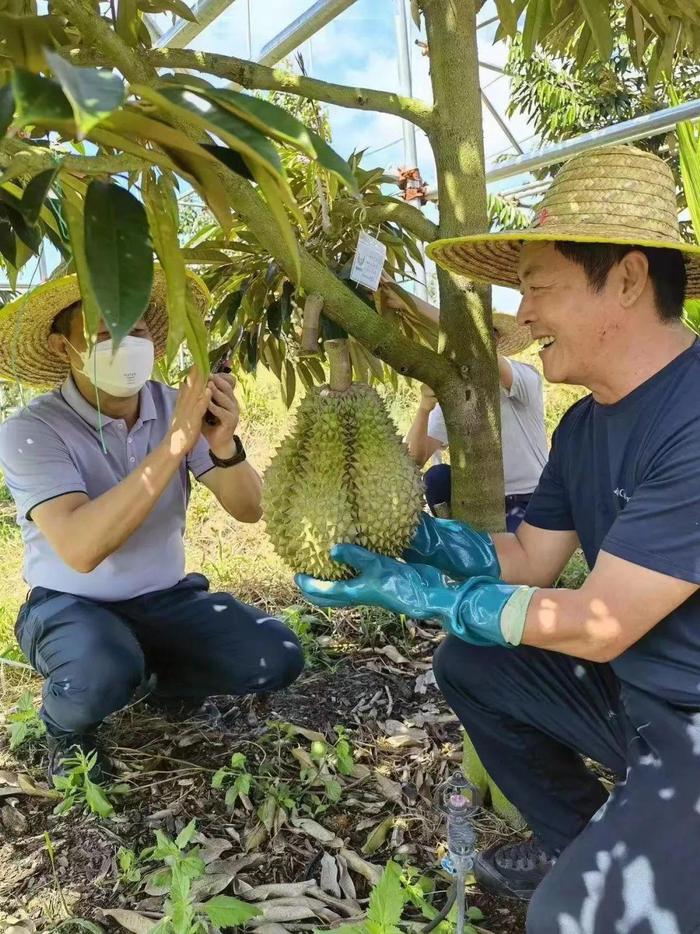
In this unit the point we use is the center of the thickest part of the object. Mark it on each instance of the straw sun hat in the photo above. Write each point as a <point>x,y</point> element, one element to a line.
<point>615,194</point>
<point>25,325</point>
<point>511,337</point>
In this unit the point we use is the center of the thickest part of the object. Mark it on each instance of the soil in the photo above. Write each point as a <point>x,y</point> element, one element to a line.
<point>396,722</point>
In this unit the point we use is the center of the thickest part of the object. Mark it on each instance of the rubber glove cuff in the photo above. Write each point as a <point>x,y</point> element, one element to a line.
<point>453,547</point>
<point>486,612</point>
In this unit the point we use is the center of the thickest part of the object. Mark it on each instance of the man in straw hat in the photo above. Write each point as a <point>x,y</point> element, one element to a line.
<point>99,470</point>
<point>523,436</point>
<point>541,677</point>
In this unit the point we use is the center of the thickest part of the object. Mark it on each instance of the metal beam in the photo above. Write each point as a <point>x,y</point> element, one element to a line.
<point>627,132</point>
<point>183,32</point>
<point>410,154</point>
<point>501,122</point>
<point>302,28</point>
<point>662,121</point>
<point>491,67</point>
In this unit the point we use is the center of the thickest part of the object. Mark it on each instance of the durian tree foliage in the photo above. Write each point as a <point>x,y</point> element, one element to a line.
<point>73,142</point>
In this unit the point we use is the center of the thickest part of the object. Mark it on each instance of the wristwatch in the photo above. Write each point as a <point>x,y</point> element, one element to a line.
<point>237,458</point>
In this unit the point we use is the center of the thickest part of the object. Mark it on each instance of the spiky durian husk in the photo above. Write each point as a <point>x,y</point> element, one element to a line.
<point>342,475</point>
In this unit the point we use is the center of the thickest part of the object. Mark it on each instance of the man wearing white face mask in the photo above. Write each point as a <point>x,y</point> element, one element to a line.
<point>100,470</point>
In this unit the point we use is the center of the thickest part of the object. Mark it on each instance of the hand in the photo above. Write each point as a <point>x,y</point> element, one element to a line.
<point>471,611</point>
<point>453,547</point>
<point>193,400</point>
<point>224,406</point>
<point>393,585</point>
<point>428,399</point>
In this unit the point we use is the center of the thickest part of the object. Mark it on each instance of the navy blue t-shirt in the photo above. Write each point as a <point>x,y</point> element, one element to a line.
<point>626,478</point>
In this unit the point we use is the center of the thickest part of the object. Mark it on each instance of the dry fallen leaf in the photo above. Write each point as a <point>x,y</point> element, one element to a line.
<point>390,789</point>
<point>329,875</point>
<point>130,920</point>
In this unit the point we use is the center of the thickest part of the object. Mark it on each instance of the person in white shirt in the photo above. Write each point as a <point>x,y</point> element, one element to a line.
<point>523,436</point>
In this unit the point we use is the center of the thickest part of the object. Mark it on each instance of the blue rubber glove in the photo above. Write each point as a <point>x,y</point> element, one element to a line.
<point>472,610</point>
<point>453,547</point>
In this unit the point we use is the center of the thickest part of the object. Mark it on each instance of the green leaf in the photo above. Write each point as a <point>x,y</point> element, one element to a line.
<point>387,899</point>
<point>96,800</point>
<point>377,837</point>
<point>534,20</point>
<point>93,92</point>
<point>269,190</point>
<point>597,15</point>
<point>8,246</point>
<point>226,912</point>
<point>281,125</point>
<point>160,201</point>
<point>19,732</point>
<point>212,118</point>
<point>40,102</point>
<point>119,255</point>
<point>35,193</point>
<point>73,213</point>
<point>196,334</point>
<point>164,847</point>
<point>186,834</point>
<point>506,13</point>
<point>238,760</point>
<point>178,7</point>
<point>231,159</point>
<point>7,107</point>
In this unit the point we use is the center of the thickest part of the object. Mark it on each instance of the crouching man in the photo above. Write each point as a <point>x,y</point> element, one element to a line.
<point>99,469</point>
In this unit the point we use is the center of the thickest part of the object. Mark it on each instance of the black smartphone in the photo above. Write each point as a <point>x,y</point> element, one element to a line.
<point>220,364</point>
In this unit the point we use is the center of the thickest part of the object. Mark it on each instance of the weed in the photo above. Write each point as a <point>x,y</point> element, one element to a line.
<point>24,722</point>
<point>302,623</point>
<point>397,890</point>
<point>235,778</point>
<point>182,867</point>
<point>129,867</point>
<point>78,789</point>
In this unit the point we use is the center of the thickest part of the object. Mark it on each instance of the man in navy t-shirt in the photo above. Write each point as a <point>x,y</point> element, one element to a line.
<point>542,677</point>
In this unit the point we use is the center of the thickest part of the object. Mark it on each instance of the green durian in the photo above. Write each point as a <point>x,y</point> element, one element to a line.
<point>341,475</point>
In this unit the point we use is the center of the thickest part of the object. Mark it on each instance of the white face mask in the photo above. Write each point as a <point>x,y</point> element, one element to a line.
<point>122,372</point>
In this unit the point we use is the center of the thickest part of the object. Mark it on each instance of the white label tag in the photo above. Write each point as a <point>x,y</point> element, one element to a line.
<point>368,262</point>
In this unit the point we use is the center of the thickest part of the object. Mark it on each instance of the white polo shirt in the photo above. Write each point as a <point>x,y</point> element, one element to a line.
<point>523,434</point>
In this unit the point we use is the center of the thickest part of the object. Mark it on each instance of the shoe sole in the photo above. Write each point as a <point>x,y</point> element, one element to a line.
<point>490,879</point>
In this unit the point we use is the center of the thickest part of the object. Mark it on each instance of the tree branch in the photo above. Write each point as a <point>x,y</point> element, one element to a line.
<point>252,76</point>
<point>109,47</point>
<point>410,218</point>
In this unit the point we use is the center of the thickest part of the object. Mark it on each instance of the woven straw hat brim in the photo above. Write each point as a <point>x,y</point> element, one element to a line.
<point>25,325</point>
<point>494,258</point>
<point>614,194</point>
<point>513,338</point>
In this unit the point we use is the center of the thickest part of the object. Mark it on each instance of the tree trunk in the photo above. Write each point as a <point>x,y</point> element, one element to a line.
<point>470,395</point>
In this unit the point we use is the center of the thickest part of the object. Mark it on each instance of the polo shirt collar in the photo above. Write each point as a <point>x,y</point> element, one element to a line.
<point>72,396</point>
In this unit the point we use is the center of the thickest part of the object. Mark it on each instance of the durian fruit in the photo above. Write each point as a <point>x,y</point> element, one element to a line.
<point>342,475</point>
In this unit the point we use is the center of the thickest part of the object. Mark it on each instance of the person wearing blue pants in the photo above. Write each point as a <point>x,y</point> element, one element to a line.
<point>541,676</point>
<point>100,469</point>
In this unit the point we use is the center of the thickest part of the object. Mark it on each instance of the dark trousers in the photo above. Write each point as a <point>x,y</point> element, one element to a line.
<point>93,655</point>
<point>437,482</point>
<point>630,862</point>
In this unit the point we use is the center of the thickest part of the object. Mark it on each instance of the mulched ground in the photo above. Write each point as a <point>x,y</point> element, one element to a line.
<point>404,740</point>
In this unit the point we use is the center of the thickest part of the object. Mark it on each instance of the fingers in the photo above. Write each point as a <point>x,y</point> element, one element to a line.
<point>322,593</point>
<point>357,557</point>
<point>224,381</point>
<point>223,398</point>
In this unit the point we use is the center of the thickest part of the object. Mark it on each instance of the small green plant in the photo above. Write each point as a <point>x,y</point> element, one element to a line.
<point>183,866</point>
<point>79,790</point>
<point>129,866</point>
<point>397,890</point>
<point>302,623</point>
<point>24,722</point>
<point>235,778</point>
